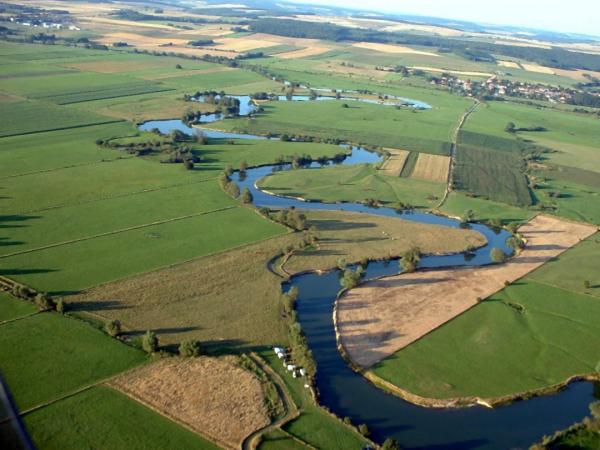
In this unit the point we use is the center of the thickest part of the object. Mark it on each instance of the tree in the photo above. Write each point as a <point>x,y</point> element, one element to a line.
<point>352,278</point>
<point>60,306</point>
<point>232,189</point>
<point>189,348</point>
<point>200,138</point>
<point>178,136</point>
<point>390,444</point>
<point>113,328</point>
<point>510,127</point>
<point>515,243</point>
<point>243,166</point>
<point>410,259</point>
<point>178,66</point>
<point>189,164</point>
<point>587,284</point>
<point>150,342</point>
<point>595,410</point>
<point>246,196</point>
<point>497,255</point>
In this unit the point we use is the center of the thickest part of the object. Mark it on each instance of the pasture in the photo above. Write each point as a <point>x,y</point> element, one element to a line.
<point>104,418</point>
<point>458,203</point>
<point>11,308</point>
<point>50,344</point>
<point>353,184</point>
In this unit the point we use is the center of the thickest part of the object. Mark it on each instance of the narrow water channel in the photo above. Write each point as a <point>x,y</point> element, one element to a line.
<point>348,394</point>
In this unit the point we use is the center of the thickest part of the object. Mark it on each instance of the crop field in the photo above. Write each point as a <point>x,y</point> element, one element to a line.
<point>404,308</point>
<point>214,396</point>
<point>358,123</point>
<point>492,174</point>
<point>457,204</point>
<point>395,163</point>
<point>353,184</point>
<point>49,344</point>
<point>104,418</point>
<point>11,309</point>
<point>432,168</point>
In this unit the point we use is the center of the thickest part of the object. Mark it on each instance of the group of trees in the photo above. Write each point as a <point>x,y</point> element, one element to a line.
<point>352,278</point>
<point>291,218</point>
<point>42,300</point>
<point>409,260</point>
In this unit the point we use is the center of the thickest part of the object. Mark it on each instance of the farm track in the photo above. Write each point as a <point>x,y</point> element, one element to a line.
<point>123,230</point>
<point>459,126</point>
<point>291,410</point>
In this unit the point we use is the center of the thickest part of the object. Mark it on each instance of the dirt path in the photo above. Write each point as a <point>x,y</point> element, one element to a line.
<point>380,317</point>
<point>462,121</point>
<point>291,411</point>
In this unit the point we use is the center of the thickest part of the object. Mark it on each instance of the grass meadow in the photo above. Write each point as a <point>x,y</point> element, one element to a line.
<point>354,184</point>
<point>103,418</point>
<point>57,355</point>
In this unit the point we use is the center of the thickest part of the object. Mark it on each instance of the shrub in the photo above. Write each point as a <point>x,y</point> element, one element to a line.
<point>390,444</point>
<point>60,306</point>
<point>150,342</point>
<point>587,284</point>
<point>364,430</point>
<point>189,164</point>
<point>113,328</point>
<point>246,196</point>
<point>352,278</point>
<point>44,302</point>
<point>189,348</point>
<point>347,421</point>
<point>410,259</point>
<point>497,255</point>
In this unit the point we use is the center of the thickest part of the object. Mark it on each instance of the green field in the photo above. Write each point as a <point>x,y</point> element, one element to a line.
<point>104,419</point>
<point>429,131</point>
<point>353,184</point>
<point>314,426</point>
<point>457,204</point>
<point>11,309</point>
<point>513,342</point>
<point>47,356</point>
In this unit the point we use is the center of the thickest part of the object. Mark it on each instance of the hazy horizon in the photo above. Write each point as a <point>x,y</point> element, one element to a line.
<point>580,17</point>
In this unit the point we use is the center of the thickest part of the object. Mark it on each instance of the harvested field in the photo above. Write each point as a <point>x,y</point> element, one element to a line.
<point>511,64</point>
<point>389,48</point>
<point>395,163</point>
<point>213,396</point>
<point>432,167</point>
<point>538,69</point>
<point>381,317</point>
<point>456,72</point>
<point>304,53</point>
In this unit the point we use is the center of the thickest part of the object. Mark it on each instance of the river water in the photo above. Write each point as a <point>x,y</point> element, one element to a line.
<point>348,394</point>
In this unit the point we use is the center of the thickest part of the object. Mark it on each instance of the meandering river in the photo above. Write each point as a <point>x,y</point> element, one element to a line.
<point>348,394</point>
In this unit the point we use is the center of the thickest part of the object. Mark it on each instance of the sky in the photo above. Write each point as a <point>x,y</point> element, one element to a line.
<point>574,16</point>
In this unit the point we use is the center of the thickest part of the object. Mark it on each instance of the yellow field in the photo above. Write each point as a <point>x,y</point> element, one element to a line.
<point>432,167</point>
<point>389,48</point>
<point>213,396</point>
<point>511,64</point>
<point>457,72</point>
<point>537,68</point>
<point>426,28</point>
<point>304,53</point>
<point>395,163</point>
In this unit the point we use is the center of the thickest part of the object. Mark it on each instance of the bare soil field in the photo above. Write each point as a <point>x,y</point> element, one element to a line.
<point>432,167</point>
<point>511,64</point>
<point>213,396</point>
<point>389,48</point>
<point>538,69</point>
<point>243,44</point>
<point>395,163</point>
<point>380,317</point>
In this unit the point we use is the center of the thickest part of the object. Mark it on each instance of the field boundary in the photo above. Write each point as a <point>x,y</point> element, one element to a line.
<point>122,230</point>
<point>108,122</point>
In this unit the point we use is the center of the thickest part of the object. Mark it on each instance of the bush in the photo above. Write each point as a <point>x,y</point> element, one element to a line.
<point>246,196</point>
<point>150,342</point>
<point>113,328</point>
<point>44,302</point>
<point>189,164</point>
<point>60,306</point>
<point>364,430</point>
<point>352,278</point>
<point>497,255</point>
<point>189,348</point>
<point>390,444</point>
<point>410,259</point>
<point>587,284</point>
